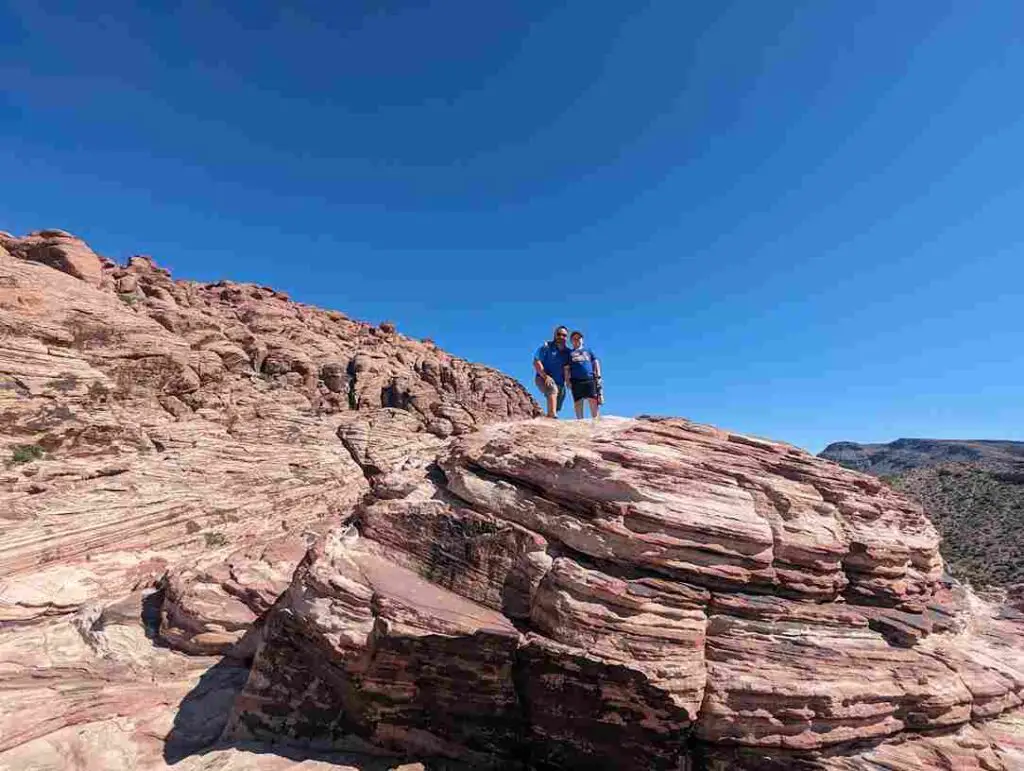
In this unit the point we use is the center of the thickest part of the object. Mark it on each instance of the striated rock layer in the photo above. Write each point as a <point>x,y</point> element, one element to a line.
<point>241,532</point>
<point>147,420</point>
<point>189,441</point>
<point>635,595</point>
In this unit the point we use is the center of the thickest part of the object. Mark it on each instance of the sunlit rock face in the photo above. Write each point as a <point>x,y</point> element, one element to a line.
<point>240,532</point>
<point>169,452</point>
<point>635,594</point>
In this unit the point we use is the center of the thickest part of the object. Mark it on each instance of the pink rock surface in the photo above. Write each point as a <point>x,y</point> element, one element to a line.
<point>706,506</point>
<point>360,646</point>
<point>162,433</point>
<point>168,419</point>
<point>398,565</point>
<point>59,250</point>
<point>681,593</point>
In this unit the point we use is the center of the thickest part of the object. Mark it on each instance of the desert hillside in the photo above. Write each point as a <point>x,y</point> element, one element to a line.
<point>908,454</point>
<point>972,490</point>
<point>240,532</point>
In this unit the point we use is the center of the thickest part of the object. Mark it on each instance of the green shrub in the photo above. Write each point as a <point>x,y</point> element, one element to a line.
<point>215,539</point>
<point>23,453</point>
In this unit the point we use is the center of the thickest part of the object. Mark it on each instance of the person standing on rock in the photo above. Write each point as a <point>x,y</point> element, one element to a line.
<point>583,373</point>
<point>549,364</point>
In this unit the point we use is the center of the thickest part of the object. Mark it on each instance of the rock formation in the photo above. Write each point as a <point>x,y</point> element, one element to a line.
<point>644,594</point>
<point>174,446</point>
<point>240,532</point>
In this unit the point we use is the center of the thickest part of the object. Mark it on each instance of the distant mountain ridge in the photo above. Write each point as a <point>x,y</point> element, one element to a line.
<point>905,454</point>
<point>973,490</point>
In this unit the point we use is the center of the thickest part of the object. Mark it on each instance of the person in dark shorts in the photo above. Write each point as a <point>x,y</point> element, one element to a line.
<point>583,373</point>
<point>549,365</point>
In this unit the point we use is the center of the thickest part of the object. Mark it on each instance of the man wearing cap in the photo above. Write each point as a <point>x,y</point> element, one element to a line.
<point>549,364</point>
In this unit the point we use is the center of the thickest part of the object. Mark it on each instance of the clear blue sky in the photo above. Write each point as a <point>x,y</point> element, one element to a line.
<point>801,220</point>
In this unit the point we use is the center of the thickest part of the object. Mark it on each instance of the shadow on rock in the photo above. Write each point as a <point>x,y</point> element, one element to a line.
<point>204,712</point>
<point>152,601</point>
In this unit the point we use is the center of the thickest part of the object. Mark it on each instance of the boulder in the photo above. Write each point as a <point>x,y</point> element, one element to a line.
<point>61,250</point>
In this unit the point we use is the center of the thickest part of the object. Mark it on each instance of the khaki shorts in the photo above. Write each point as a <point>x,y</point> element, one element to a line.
<point>558,390</point>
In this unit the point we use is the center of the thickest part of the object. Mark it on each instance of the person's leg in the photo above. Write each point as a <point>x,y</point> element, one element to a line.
<point>595,409</point>
<point>560,400</point>
<point>549,395</point>
<point>577,403</point>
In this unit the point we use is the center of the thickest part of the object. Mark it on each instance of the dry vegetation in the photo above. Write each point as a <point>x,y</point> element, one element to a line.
<point>980,514</point>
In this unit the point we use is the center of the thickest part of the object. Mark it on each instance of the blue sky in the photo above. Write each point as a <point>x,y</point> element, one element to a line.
<point>800,220</point>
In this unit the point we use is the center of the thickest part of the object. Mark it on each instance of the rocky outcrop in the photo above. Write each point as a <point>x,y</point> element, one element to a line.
<point>242,532</point>
<point>679,594</point>
<point>59,250</point>
<point>147,419</point>
<point>361,646</point>
<point>184,440</point>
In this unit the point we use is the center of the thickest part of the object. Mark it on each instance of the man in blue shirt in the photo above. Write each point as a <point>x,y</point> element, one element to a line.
<point>583,371</point>
<point>549,364</point>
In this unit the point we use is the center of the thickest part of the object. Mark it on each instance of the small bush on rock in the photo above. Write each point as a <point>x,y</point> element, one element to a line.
<point>23,453</point>
<point>215,539</point>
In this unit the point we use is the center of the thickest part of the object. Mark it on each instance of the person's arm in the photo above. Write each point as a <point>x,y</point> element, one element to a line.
<point>538,367</point>
<point>567,373</point>
<point>597,366</point>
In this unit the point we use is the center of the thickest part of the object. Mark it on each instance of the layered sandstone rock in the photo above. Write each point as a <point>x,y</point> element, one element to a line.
<point>241,532</point>
<point>147,419</point>
<point>183,440</point>
<point>682,595</point>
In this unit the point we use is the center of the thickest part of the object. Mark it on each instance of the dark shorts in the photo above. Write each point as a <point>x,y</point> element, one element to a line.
<point>583,389</point>
<point>543,386</point>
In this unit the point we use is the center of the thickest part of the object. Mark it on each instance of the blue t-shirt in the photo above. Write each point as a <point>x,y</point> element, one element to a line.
<point>553,360</point>
<point>581,361</point>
